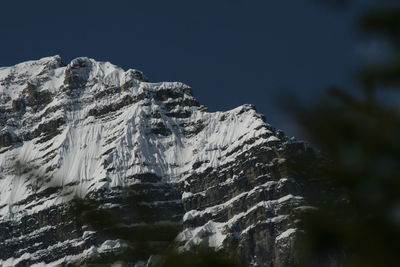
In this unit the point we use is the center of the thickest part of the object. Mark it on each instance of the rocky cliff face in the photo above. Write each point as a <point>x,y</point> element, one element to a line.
<point>89,129</point>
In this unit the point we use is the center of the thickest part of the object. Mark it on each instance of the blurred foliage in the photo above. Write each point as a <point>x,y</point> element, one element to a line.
<point>133,222</point>
<point>201,257</point>
<point>383,22</point>
<point>357,222</point>
<point>141,239</point>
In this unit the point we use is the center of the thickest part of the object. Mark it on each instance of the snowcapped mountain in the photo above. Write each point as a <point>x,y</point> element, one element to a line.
<point>89,128</point>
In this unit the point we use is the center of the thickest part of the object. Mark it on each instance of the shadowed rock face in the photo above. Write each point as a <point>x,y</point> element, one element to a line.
<point>90,130</point>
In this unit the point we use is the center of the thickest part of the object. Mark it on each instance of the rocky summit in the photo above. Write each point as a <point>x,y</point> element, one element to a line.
<point>89,130</point>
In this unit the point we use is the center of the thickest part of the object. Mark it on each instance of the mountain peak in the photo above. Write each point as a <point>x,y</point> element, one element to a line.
<point>89,128</point>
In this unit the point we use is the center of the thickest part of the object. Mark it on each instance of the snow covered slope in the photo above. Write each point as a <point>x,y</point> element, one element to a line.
<point>90,126</point>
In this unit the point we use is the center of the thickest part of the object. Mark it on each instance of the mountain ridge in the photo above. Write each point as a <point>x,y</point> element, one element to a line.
<point>90,127</point>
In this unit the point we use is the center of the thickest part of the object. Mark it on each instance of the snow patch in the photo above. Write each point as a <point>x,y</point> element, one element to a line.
<point>289,232</point>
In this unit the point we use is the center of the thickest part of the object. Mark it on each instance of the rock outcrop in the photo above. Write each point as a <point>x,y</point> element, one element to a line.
<point>91,130</point>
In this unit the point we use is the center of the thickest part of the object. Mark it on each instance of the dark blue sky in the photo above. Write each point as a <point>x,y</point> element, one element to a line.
<point>231,52</point>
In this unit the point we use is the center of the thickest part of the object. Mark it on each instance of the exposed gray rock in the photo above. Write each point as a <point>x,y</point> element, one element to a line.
<point>89,130</point>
